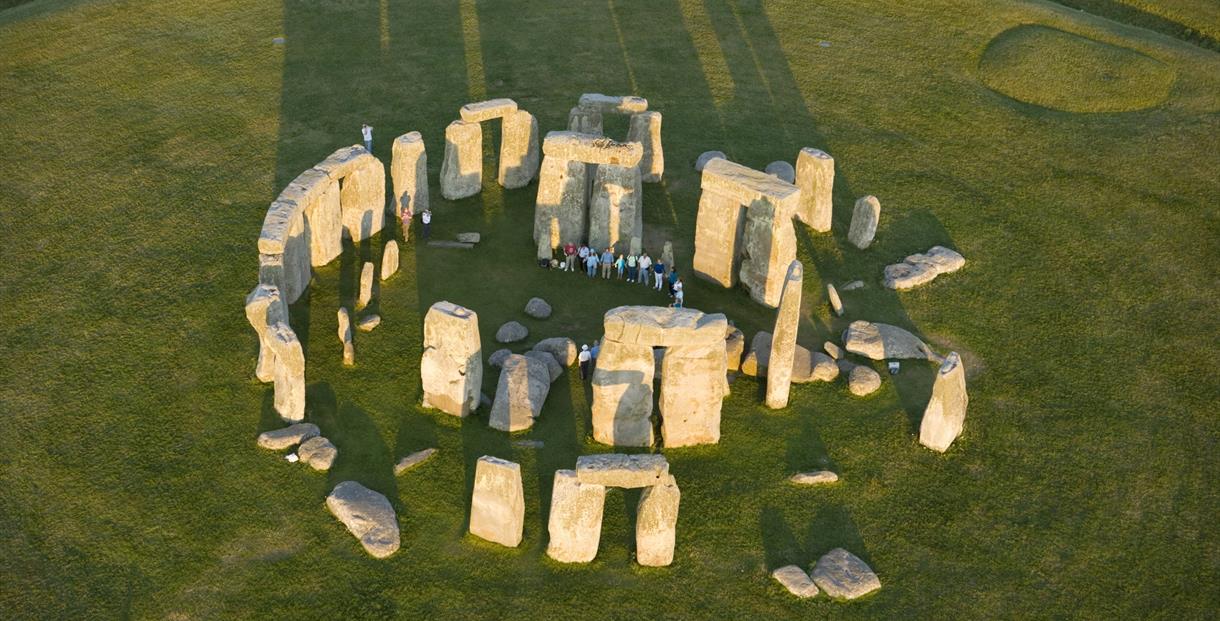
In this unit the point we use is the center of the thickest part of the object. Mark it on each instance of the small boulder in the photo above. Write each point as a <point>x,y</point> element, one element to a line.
<point>511,332</point>
<point>553,368</point>
<point>538,308</point>
<point>835,351</point>
<point>781,170</point>
<point>318,452</point>
<point>367,515</point>
<point>280,439</point>
<point>812,366</point>
<point>497,358</point>
<point>469,238</point>
<point>562,348</point>
<point>832,295</point>
<point>368,323</point>
<point>853,285</point>
<point>734,346</point>
<point>755,363</point>
<point>842,575</point>
<point>796,581</point>
<point>708,156</point>
<point>863,381</point>
<point>817,477</point>
<point>413,460</point>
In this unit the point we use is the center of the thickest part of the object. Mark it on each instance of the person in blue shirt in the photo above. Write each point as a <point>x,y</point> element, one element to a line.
<point>607,262</point>
<point>658,273</point>
<point>591,263</point>
<point>673,278</point>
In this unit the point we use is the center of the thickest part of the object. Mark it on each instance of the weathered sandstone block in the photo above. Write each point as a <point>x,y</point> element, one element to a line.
<point>523,387</point>
<point>842,575</point>
<point>622,395</point>
<point>815,176</point>
<point>452,365</point>
<point>918,269</point>
<point>592,149</point>
<point>367,515</point>
<point>880,341</point>
<point>616,211</point>
<point>619,470</point>
<point>645,129</point>
<point>497,507</point>
<point>462,169</point>
<point>864,218</point>
<point>389,259</point>
<point>288,373</point>
<point>560,212</point>
<point>796,581</point>
<point>409,173</point>
<point>783,339</point>
<point>575,522</point>
<point>487,110</point>
<point>656,524</point>
<point>366,285</point>
<point>693,387</point>
<point>946,412</point>
<point>285,437</point>
<point>519,154</point>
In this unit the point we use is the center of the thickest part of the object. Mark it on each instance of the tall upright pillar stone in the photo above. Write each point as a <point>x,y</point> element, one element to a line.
<point>945,414</point>
<point>815,176</point>
<point>656,524</point>
<point>497,507</point>
<point>575,522</point>
<point>645,129</point>
<point>519,152</point>
<point>409,174</point>
<point>783,339</point>
<point>622,394</point>
<point>452,364</point>
<point>616,212</point>
<point>462,168</point>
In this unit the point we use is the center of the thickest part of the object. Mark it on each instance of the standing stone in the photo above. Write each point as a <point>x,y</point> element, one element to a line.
<point>286,236</point>
<point>783,339</point>
<point>367,515</point>
<point>708,156</point>
<point>318,196</point>
<point>575,522</point>
<point>523,387</point>
<point>636,246</point>
<point>362,199</point>
<point>451,367</point>
<point>409,174</point>
<point>616,209</point>
<point>264,307</point>
<point>622,395</point>
<point>693,387</point>
<point>345,337</point>
<point>645,128</point>
<point>561,205</point>
<point>585,121</point>
<point>462,169</point>
<point>815,176</point>
<point>389,259</point>
<point>497,508</point>
<point>667,255</point>
<point>734,347</point>
<point>519,153</point>
<point>946,411</point>
<point>366,285</point>
<point>833,296</point>
<point>656,524</point>
<point>842,575</point>
<point>289,372</point>
<point>781,170</point>
<point>718,232</point>
<point>864,220</point>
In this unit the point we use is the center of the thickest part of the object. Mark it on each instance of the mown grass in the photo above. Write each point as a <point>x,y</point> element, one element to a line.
<point>142,141</point>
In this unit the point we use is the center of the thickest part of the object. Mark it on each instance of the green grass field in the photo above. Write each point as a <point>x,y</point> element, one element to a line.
<point>141,142</point>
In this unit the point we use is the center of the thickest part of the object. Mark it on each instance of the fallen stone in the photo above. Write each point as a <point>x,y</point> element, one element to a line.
<point>755,362</point>
<point>443,243</point>
<point>835,351</point>
<point>706,157</point>
<point>734,346</point>
<point>619,470</point>
<point>511,332</point>
<point>469,238</point>
<point>853,285</point>
<point>389,259</point>
<point>796,581</point>
<point>781,170</point>
<point>366,286</point>
<point>528,444</point>
<point>918,269</point>
<point>810,366</point>
<point>864,220</point>
<point>497,507</point>
<point>520,393</point>
<point>817,477</point>
<point>844,576</point>
<point>575,522</point>
<point>497,358</point>
<point>833,296</point>
<point>946,411</point>
<point>413,460</point>
<point>880,341</point>
<point>656,523</point>
<point>368,323</point>
<point>538,308</point>
<point>285,437</point>
<point>553,368</point>
<point>863,381</point>
<point>367,515</point>
<point>318,452</point>
<point>561,347</point>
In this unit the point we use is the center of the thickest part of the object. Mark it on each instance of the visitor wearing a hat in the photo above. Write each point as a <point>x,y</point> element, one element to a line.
<point>426,218</point>
<point>584,359</point>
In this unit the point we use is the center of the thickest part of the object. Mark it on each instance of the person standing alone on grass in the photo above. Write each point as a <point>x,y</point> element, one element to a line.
<point>366,130</point>
<point>426,218</point>
<point>645,268</point>
<point>607,262</point>
<point>584,359</point>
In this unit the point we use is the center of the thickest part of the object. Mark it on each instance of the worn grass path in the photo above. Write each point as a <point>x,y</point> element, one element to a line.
<point>141,141</point>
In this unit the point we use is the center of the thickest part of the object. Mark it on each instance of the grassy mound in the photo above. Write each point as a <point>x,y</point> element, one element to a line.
<point>1062,71</point>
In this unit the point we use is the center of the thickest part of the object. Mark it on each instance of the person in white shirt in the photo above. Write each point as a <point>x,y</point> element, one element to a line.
<point>366,130</point>
<point>584,359</point>
<point>645,268</point>
<point>426,218</point>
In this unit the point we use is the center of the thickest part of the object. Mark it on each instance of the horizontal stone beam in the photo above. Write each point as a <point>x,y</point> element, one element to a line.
<point>747,185</point>
<point>608,104</point>
<point>656,326</point>
<point>592,149</point>
<point>480,111</point>
<point>619,470</point>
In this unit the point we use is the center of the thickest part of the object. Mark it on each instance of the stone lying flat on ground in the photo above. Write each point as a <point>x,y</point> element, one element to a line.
<point>538,308</point>
<point>497,358</point>
<point>442,243</point>
<point>812,366</point>
<point>918,269</point>
<point>945,414</point>
<point>864,220</point>
<point>817,477</point>
<point>755,362</point>
<point>706,157</point>
<point>619,470</point>
<point>366,285</point>
<point>575,521</point>
<point>280,439</point>
<point>863,381</point>
<point>553,368</point>
<point>318,452</point>
<point>413,460</point>
<point>368,323</point>
<point>511,332</point>
<point>796,581</point>
<point>835,351</point>
<point>781,170</point>
<point>842,575</point>
<point>832,295</point>
<point>734,346</point>
<point>497,507</point>
<point>469,237</point>
<point>656,523</point>
<point>853,285</point>
<point>561,347</point>
<point>520,393</point>
<point>880,341</point>
<point>529,444</point>
<point>367,515</point>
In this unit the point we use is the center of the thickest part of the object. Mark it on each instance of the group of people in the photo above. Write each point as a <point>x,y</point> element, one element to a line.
<point>634,268</point>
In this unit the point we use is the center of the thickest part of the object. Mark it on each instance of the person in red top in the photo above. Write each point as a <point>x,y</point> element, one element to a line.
<point>569,253</point>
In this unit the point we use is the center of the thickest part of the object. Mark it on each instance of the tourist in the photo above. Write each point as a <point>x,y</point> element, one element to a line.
<point>582,256</point>
<point>591,262</point>
<point>569,252</point>
<point>658,272</point>
<point>407,214</point>
<point>584,359</point>
<point>597,347</point>
<point>366,130</point>
<point>631,268</point>
<point>678,298</point>
<point>645,268</point>
<point>620,264</point>
<point>426,218</point>
<point>607,262</point>
<point>673,278</point>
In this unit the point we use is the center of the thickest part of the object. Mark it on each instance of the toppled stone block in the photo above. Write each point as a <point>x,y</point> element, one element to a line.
<point>367,515</point>
<point>413,460</point>
<point>817,477</point>
<point>562,348</point>
<point>796,581</point>
<point>522,390</point>
<point>842,575</point>
<point>880,341</point>
<point>918,269</point>
<point>318,452</point>
<point>279,439</point>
